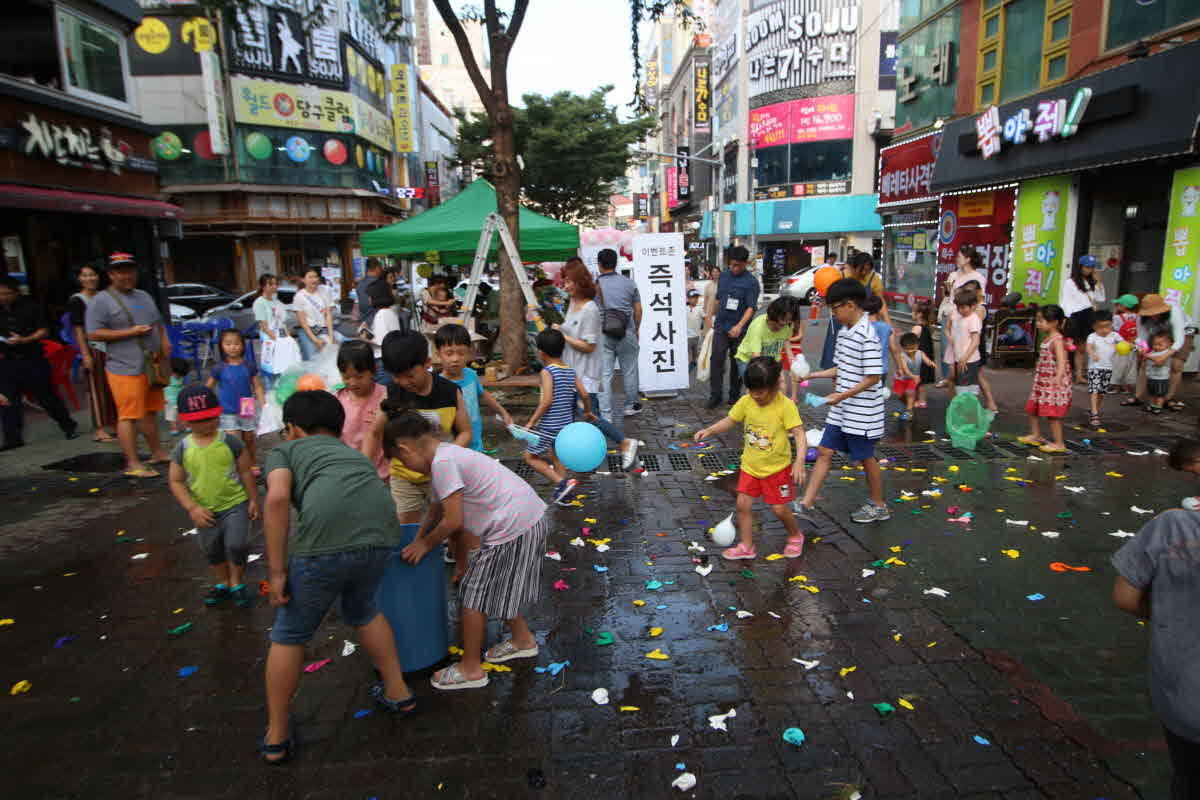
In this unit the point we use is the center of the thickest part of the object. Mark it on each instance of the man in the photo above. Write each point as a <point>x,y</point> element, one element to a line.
<point>617,295</point>
<point>736,302</point>
<point>23,366</point>
<point>127,319</point>
<point>831,259</point>
<point>366,311</point>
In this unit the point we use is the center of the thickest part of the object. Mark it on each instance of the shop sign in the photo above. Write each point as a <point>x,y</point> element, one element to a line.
<point>906,170</point>
<point>684,174</point>
<point>814,119</point>
<point>795,43</point>
<point>1181,253</point>
<point>660,274</point>
<point>1053,117</point>
<point>433,183</point>
<point>702,100</point>
<point>727,37</point>
<point>76,146</point>
<point>887,59</point>
<point>271,42</point>
<point>941,73</point>
<point>410,192</point>
<point>402,122</point>
<point>672,187</point>
<point>641,206</point>
<point>984,221</point>
<point>285,105</point>
<point>1039,238</point>
<point>170,45</point>
<point>729,176</point>
<point>652,83</point>
<point>814,189</point>
<point>214,102</point>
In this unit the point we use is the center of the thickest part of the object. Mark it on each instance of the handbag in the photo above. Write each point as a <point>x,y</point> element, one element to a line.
<point>613,321</point>
<point>154,365</point>
<point>704,356</point>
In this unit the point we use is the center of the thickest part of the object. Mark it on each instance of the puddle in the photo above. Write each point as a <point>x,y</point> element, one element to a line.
<point>90,462</point>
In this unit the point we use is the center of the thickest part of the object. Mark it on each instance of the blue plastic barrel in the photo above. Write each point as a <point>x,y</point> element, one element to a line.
<point>413,598</point>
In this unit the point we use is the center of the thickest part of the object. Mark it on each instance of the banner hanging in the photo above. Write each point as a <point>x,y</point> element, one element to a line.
<point>659,272</point>
<point>1181,254</point>
<point>1043,209</point>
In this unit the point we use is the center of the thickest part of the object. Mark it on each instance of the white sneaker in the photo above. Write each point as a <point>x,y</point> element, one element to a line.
<point>629,456</point>
<point>636,408</point>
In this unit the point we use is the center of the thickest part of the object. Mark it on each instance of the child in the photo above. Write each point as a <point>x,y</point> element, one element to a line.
<point>794,348</point>
<point>453,343</point>
<point>361,399</point>
<point>768,470</point>
<point>855,421</point>
<point>414,387</point>
<point>555,410</point>
<point>1185,457</point>
<point>1158,580</point>
<point>180,367</point>
<point>344,536</point>
<point>384,320</point>
<point>1101,348</point>
<point>873,305</point>
<point>1158,370</point>
<point>767,334</point>
<point>1050,395</point>
<point>695,322</point>
<point>480,496</point>
<point>912,366</point>
<point>210,477</point>
<point>923,322</point>
<point>967,329</point>
<point>238,386</point>
<point>1125,365</point>
<point>437,300</point>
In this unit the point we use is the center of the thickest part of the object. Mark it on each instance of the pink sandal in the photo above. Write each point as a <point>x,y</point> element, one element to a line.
<point>794,548</point>
<point>739,553</point>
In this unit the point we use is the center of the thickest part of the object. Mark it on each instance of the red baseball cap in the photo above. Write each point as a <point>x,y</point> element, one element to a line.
<point>198,402</point>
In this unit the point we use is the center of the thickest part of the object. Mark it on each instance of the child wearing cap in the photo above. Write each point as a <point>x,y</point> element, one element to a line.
<point>1125,365</point>
<point>211,478</point>
<point>695,322</point>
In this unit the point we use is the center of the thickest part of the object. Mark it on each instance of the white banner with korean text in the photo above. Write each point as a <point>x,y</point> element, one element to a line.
<point>659,273</point>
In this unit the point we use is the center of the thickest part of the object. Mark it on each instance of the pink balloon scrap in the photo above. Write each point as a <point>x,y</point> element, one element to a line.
<point>561,586</point>
<point>316,665</point>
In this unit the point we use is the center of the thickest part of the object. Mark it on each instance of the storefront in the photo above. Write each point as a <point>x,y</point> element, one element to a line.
<point>1104,165</point>
<point>909,210</point>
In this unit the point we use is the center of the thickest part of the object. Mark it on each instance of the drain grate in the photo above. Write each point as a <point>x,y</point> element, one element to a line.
<point>1105,446</point>
<point>650,463</point>
<point>614,463</point>
<point>956,453</point>
<point>679,462</point>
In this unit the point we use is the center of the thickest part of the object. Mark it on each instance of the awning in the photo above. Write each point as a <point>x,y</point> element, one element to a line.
<point>17,196</point>
<point>127,10</point>
<point>818,216</point>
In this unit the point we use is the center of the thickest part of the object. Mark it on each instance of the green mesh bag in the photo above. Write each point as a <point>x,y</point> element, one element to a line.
<point>966,420</point>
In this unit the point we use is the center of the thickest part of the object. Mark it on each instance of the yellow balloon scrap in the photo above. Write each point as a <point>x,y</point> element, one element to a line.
<point>655,632</point>
<point>20,687</point>
<point>844,671</point>
<point>896,561</point>
<point>705,497</point>
<point>848,478</point>
<point>798,578</point>
<point>895,548</point>
<point>599,542</point>
<point>906,704</point>
<point>931,644</point>
<point>919,469</point>
<point>580,496</point>
<point>589,520</point>
<point>490,667</point>
<point>940,479</point>
<point>454,650</point>
<point>639,603</point>
<point>7,621</point>
<point>810,589</point>
<point>900,469</point>
<point>1060,477</point>
<point>176,611</point>
<point>1012,553</point>
<point>1112,474</point>
<point>93,490</point>
<point>774,556</point>
<point>657,654</point>
<point>953,468</point>
<point>896,637</point>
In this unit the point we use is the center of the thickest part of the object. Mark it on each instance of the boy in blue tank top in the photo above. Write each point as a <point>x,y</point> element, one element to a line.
<point>555,411</point>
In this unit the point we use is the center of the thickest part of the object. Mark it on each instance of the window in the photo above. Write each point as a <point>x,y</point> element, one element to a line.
<point>27,48</point>
<point>1128,22</point>
<point>93,60</point>
<point>1023,21</point>
<point>1057,42</point>
<point>820,161</point>
<point>772,166</point>
<point>1009,47</point>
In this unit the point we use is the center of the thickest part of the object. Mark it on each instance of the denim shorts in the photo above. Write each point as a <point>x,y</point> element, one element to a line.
<point>857,446</point>
<point>315,582</point>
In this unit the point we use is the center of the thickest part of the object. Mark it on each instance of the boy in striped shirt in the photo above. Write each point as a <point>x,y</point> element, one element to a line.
<point>855,421</point>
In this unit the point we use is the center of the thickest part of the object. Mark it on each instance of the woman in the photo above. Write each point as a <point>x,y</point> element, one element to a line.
<point>968,266</point>
<point>1079,298</point>
<point>93,354</point>
<point>271,316</point>
<point>710,296</point>
<point>581,329</point>
<point>1155,315</point>
<point>383,300</point>
<point>315,313</point>
<point>862,269</point>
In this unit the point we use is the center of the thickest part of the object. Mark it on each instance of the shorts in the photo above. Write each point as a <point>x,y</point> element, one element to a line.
<point>505,579</point>
<point>229,537</point>
<point>855,445</point>
<point>315,582</point>
<point>232,422</point>
<point>775,490</point>
<point>1158,388</point>
<point>902,386</point>
<point>409,496</point>
<point>1099,380</point>
<point>133,396</point>
<point>969,376</point>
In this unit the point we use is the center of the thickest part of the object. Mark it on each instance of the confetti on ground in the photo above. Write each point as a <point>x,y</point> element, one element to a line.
<point>1075,489</point>
<point>794,736</point>
<point>657,654</point>
<point>600,697</point>
<point>639,603</point>
<point>704,569</point>
<point>185,672</point>
<point>720,627</point>
<point>1137,510</point>
<point>744,614</point>
<point>604,638</point>
<point>561,586</point>
<point>554,555</point>
<point>906,704</point>
<point>685,782</point>
<point>775,556</point>
<point>599,568</point>
<point>576,542</point>
<point>844,671</point>
<point>1050,534</point>
<point>674,739</point>
<point>554,667</point>
<point>179,631</point>
<point>1059,566</point>
<point>1012,553</point>
<point>1021,522</point>
<point>654,585</point>
<point>1035,597</point>
<point>140,556</point>
<point>937,591</point>
<point>629,708</point>
<point>980,740</point>
<point>316,665</point>
<point>806,664</point>
<point>1121,534</point>
<point>717,721</point>
<point>488,666</point>
<point>884,708</point>
<point>348,648</point>
<point>20,687</point>
<point>866,573</point>
<point>797,578</point>
<point>655,632</point>
<point>1112,474</point>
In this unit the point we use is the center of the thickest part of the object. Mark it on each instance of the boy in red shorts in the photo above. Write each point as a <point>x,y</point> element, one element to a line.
<point>768,470</point>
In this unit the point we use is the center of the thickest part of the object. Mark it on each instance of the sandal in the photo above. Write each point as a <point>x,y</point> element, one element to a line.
<point>144,472</point>
<point>1031,441</point>
<point>285,750</point>
<point>1131,401</point>
<point>402,708</point>
<point>739,553</point>
<point>794,548</point>
<point>1175,405</point>
<point>1094,420</point>
<point>507,651</point>
<point>1049,448</point>
<point>450,679</point>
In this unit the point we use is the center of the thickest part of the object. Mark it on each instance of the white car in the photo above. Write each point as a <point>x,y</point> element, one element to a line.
<point>800,284</point>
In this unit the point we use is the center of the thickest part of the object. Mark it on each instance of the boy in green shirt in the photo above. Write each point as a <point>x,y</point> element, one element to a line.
<point>767,334</point>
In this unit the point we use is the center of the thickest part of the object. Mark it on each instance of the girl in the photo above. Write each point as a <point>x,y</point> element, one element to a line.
<point>923,329</point>
<point>1125,366</point>
<point>1050,396</point>
<point>315,313</point>
<point>94,355</point>
<point>271,316</point>
<point>478,495</point>
<point>768,470</point>
<point>240,391</point>
<point>361,398</point>
<point>383,322</point>
<point>985,386</point>
<point>968,263</point>
<point>1080,295</point>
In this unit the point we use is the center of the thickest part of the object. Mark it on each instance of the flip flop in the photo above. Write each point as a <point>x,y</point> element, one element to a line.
<point>285,750</point>
<point>144,472</point>
<point>507,651</point>
<point>1030,441</point>
<point>1053,450</point>
<point>451,679</point>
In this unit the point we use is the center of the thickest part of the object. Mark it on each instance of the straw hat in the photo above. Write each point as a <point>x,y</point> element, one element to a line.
<point>1153,305</point>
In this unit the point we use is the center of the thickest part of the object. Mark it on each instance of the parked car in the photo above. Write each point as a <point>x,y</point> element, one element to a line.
<point>180,313</point>
<point>198,296</point>
<point>800,284</point>
<point>241,309</point>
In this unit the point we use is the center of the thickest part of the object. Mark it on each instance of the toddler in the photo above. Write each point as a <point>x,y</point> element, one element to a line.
<point>1101,349</point>
<point>1125,366</point>
<point>911,367</point>
<point>239,388</point>
<point>966,332</point>
<point>1185,457</point>
<point>1050,395</point>
<point>1158,370</point>
<point>923,322</point>
<point>555,410</point>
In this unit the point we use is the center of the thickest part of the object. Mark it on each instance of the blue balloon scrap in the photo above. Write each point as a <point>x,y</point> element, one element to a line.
<point>363,712</point>
<point>187,671</point>
<point>599,568</point>
<point>980,740</point>
<point>794,736</point>
<point>660,608</point>
<point>681,766</point>
<point>1035,596</point>
<point>723,627</point>
<point>813,400</point>
<point>652,585</point>
<point>554,667</point>
<point>60,641</point>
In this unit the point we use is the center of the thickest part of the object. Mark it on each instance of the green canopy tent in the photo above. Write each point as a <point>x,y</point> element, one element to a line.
<point>453,230</point>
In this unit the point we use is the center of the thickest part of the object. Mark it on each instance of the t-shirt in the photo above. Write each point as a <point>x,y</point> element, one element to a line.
<point>272,312</point>
<point>342,504</point>
<point>735,293</point>
<point>361,414</point>
<point>766,429</point>
<point>1164,559</point>
<point>497,505</point>
<point>584,323</point>
<point>960,334</point>
<point>125,356</point>
<point>695,320</point>
<point>442,400</point>
<point>1105,347</point>
<point>385,321</point>
<point>618,293</point>
<point>884,332</point>
<point>310,306</point>
<point>21,318</point>
<point>233,383</point>
<point>472,392</point>
<point>856,355</point>
<point>1158,372</point>
<point>761,339</point>
<point>211,471</point>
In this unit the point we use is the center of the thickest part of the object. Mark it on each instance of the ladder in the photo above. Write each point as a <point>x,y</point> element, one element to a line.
<point>491,224</point>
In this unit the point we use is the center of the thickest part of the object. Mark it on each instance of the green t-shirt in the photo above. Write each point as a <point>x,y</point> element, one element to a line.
<point>211,471</point>
<point>342,502</point>
<point>762,340</point>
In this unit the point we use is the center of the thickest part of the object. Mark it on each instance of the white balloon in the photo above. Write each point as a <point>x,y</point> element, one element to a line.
<point>724,532</point>
<point>800,367</point>
<point>1191,503</point>
<point>814,437</point>
<point>886,393</point>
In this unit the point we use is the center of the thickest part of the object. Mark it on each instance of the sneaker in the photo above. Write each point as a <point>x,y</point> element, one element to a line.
<point>629,457</point>
<point>794,548</point>
<point>448,555</point>
<point>739,553</point>
<point>216,595</point>
<point>636,408</point>
<point>871,513</point>
<point>563,491</point>
<point>906,415</point>
<point>803,514</point>
<point>241,596</point>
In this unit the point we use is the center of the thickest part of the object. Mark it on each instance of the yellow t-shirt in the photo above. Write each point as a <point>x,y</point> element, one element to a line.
<point>766,429</point>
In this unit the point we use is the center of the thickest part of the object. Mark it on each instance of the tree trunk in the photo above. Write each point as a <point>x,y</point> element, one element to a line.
<point>508,189</point>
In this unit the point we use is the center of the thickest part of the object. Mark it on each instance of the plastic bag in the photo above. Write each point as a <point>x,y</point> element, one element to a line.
<point>704,356</point>
<point>279,355</point>
<point>800,367</point>
<point>271,418</point>
<point>966,420</point>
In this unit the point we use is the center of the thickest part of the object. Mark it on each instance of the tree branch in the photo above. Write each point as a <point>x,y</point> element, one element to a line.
<point>518,17</point>
<point>468,55</point>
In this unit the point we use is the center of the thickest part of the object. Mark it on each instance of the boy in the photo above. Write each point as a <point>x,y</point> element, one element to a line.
<point>695,323</point>
<point>180,367</point>
<point>1101,347</point>
<point>873,305</point>
<point>768,470</point>
<point>406,357</point>
<point>908,372</point>
<point>453,343</point>
<point>211,477</point>
<point>1125,321</point>
<point>965,336</point>
<point>767,334</point>
<point>1185,457</point>
<point>555,410</point>
<point>1158,370</point>
<point>1158,577</point>
<point>344,534</point>
<point>477,494</point>
<point>855,421</point>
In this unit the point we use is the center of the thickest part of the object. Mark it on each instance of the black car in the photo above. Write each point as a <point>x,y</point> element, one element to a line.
<point>198,296</point>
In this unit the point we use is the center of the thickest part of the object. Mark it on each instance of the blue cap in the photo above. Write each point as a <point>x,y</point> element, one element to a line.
<point>1088,261</point>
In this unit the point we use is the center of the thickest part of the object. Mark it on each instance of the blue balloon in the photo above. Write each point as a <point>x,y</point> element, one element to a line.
<point>811,455</point>
<point>580,446</point>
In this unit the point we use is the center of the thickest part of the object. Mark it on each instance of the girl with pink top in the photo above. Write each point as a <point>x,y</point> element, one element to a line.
<point>360,399</point>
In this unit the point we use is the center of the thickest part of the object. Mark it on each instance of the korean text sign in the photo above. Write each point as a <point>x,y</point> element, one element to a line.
<point>814,119</point>
<point>1181,251</point>
<point>309,108</point>
<point>1039,238</point>
<point>658,270</point>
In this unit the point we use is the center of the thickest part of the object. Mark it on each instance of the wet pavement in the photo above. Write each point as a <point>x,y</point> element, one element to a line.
<point>994,694</point>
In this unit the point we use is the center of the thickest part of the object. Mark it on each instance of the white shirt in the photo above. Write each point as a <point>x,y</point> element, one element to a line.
<point>1105,347</point>
<point>695,320</point>
<point>1073,300</point>
<point>946,309</point>
<point>584,323</point>
<point>386,320</point>
<point>310,306</point>
<point>857,354</point>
